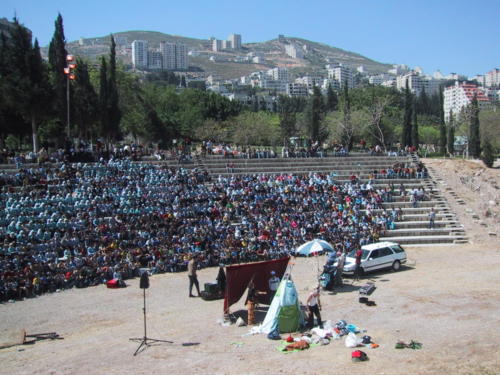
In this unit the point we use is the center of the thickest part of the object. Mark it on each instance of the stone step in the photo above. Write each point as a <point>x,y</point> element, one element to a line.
<point>422,232</point>
<point>425,239</point>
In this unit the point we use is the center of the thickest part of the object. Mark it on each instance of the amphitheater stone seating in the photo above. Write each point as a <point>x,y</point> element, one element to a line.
<point>412,229</point>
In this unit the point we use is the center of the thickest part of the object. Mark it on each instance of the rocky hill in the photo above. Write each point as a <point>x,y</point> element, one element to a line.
<point>223,64</point>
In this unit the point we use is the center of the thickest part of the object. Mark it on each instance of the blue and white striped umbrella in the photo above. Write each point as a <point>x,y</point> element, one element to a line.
<point>312,247</point>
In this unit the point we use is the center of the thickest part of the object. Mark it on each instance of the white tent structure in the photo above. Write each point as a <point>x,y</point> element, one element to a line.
<point>284,313</point>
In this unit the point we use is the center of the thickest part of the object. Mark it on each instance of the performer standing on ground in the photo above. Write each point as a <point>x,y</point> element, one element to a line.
<point>314,306</point>
<point>251,301</point>
<point>193,279</point>
<point>274,283</point>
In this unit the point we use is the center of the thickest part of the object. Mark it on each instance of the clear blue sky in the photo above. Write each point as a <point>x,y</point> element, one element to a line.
<point>460,36</point>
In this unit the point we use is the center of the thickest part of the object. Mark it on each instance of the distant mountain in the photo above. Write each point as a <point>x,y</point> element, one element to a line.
<point>223,64</point>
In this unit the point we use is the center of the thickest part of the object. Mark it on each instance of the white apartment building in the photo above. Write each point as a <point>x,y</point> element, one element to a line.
<point>168,53</point>
<point>273,84</point>
<point>181,56</point>
<point>379,79</point>
<point>140,54</point>
<point>417,83</point>
<point>216,45</point>
<point>155,60</point>
<point>460,95</point>
<point>278,74</point>
<point>398,69</point>
<point>492,78</point>
<point>330,82</point>
<point>297,89</point>
<point>310,81</point>
<point>294,51</point>
<point>235,40</point>
<point>342,74</point>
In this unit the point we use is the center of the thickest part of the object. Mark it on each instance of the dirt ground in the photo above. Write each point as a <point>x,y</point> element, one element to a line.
<point>447,298</point>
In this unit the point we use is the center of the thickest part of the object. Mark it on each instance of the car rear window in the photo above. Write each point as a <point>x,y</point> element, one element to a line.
<point>397,249</point>
<point>385,251</point>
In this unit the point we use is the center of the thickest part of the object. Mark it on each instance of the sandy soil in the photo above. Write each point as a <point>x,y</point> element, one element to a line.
<point>448,299</point>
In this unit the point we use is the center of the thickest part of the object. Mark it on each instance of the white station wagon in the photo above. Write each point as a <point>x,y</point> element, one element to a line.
<point>376,256</point>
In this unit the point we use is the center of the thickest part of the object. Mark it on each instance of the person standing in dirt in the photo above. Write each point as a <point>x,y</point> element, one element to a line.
<point>357,270</point>
<point>314,306</point>
<point>193,279</point>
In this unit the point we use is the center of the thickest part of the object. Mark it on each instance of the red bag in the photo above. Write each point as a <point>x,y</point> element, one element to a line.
<point>113,284</point>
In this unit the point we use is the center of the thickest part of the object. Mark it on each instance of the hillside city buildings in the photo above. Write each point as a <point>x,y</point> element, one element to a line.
<point>232,42</point>
<point>169,56</point>
<point>458,90</point>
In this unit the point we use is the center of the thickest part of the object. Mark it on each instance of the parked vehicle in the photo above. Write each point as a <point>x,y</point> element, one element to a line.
<point>376,256</point>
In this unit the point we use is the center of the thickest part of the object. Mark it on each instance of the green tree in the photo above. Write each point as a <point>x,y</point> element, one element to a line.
<point>442,124</point>
<point>408,106</point>
<point>332,100</point>
<point>288,117</point>
<point>474,138</point>
<point>315,114</point>
<point>414,128</point>
<point>26,81</point>
<point>57,63</point>
<point>347,137</point>
<point>114,113</point>
<point>103,99</point>
<point>451,135</point>
<point>488,155</point>
<point>85,102</point>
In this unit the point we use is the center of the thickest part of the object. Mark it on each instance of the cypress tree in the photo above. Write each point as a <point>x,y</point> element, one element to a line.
<point>451,135</point>
<point>57,63</point>
<point>442,124</point>
<point>85,101</point>
<point>331,99</point>
<point>287,116</point>
<point>414,129</point>
<point>407,131</point>
<point>315,115</point>
<point>26,79</point>
<point>474,139</point>
<point>103,99</point>
<point>488,156</point>
<point>347,131</point>
<point>114,114</point>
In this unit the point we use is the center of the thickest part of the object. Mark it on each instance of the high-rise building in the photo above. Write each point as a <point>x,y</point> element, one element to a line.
<point>492,78</point>
<point>342,74</point>
<point>278,74</point>
<point>155,60</point>
<point>168,55</point>
<point>460,95</point>
<point>140,54</point>
<point>216,45</point>
<point>418,83</point>
<point>235,40</point>
<point>181,59</point>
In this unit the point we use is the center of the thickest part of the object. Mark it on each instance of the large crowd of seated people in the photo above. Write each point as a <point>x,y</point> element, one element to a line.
<point>68,225</point>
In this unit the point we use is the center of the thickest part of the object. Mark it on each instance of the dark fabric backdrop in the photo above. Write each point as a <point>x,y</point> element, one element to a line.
<point>238,277</point>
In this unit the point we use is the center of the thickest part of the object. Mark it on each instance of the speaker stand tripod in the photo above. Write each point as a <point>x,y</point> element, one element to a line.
<point>146,341</point>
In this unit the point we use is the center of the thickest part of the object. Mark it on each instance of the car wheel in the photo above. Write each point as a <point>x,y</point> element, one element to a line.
<point>396,265</point>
